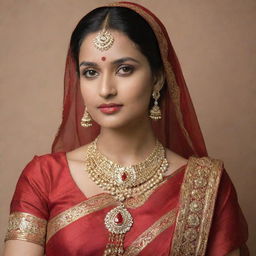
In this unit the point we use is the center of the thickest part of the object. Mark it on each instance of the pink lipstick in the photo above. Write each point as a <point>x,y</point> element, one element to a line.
<point>110,108</point>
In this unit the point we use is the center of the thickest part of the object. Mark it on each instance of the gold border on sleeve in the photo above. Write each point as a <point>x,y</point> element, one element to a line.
<point>198,195</point>
<point>26,227</point>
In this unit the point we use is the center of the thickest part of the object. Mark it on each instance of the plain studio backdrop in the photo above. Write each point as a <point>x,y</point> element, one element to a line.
<point>216,44</point>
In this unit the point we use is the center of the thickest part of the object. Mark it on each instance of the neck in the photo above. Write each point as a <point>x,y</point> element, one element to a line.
<point>127,145</point>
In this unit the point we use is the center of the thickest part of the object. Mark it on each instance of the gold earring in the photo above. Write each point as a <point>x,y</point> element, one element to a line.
<point>86,119</point>
<point>155,112</point>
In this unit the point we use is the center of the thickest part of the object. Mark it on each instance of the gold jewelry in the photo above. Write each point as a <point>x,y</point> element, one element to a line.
<point>155,112</point>
<point>104,40</point>
<point>124,182</point>
<point>86,120</point>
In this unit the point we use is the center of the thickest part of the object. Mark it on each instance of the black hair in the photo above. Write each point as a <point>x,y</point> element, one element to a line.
<point>124,20</point>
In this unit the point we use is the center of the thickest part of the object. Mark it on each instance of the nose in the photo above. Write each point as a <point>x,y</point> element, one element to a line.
<point>107,86</point>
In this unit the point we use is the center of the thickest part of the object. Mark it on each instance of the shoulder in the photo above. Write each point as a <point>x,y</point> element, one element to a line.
<point>77,154</point>
<point>44,165</point>
<point>175,161</point>
<point>204,169</point>
<point>38,177</point>
<point>211,171</point>
<point>196,167</point>
<point>205,163</point>
<point>44,172</point>
<point>76,158</point>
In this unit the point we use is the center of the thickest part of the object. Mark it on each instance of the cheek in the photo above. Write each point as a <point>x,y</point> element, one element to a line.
<point>139,91</point>
<point>87,92</point>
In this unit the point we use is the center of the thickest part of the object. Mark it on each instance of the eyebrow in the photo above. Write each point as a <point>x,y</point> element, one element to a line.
<point>115,62</point>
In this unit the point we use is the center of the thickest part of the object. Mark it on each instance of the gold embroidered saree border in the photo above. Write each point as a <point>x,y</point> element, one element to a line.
<point>78,211</point>
<point>198,194</point>
<point>91,205</point>
<point>151,233</point>
<point>26,227</point>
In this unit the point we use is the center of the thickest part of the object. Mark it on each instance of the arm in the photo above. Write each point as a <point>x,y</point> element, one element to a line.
<point>229,228</point>
<point>28,214</point>
<point>22,248</point>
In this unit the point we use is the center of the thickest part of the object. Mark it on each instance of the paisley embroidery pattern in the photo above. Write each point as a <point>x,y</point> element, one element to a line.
<point>198,195</point>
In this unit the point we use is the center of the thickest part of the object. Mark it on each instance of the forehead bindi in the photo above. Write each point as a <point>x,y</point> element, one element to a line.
<point>103,58</point>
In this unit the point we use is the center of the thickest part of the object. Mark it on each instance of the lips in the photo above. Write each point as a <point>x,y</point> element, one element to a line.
<point>110,108</point>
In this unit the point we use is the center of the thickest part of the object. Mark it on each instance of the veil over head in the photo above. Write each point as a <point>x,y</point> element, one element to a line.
<point>178,129</point>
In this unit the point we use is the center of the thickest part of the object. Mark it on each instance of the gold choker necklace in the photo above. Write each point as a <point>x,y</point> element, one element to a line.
<point>124,182</point>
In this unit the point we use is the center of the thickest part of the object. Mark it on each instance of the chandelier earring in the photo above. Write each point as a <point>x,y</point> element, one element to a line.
<point>155,112</point>
<point>86,120</point>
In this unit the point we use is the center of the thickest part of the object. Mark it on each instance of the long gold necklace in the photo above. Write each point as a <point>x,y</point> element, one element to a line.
<point>124,182</point>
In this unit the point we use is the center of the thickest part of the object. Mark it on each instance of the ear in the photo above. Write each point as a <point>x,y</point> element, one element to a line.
<point>159,80</point>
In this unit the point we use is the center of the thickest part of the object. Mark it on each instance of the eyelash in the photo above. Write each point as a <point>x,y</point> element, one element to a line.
<point>130,69</point>
<point>86,72</point>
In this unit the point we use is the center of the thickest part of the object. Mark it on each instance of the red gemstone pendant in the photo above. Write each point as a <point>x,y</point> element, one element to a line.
<point>119,219</point>
<point>124,176</point>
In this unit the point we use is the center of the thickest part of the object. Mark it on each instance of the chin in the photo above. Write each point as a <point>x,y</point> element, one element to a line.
<point>113,124</point>
<point>118,122</point>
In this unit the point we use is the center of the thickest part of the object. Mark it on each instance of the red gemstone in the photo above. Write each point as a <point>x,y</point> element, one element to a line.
<point>124,176</point>
<point>119,219</point>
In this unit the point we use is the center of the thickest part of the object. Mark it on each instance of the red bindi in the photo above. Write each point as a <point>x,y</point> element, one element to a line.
<point>103,58</point>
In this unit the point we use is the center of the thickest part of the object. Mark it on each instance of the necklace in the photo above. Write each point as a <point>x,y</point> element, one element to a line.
<point>124,182</point>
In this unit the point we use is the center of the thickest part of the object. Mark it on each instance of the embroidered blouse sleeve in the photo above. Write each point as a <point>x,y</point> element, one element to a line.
<point>229,228</point>
<point>29,207</point>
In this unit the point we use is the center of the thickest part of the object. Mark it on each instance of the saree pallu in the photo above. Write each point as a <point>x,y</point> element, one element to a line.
<point>194,211</point>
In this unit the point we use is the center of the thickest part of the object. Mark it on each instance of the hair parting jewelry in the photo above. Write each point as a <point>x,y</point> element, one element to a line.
<point>124,182</point>
<point>104,40</point>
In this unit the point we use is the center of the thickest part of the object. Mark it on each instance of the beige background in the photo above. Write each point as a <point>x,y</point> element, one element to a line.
<point>215,42</point>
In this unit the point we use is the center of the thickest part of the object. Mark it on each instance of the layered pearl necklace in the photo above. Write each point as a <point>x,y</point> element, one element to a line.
<point>124,182</point>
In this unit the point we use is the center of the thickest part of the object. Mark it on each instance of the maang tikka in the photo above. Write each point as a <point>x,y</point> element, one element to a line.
<point>155,112</point>
<point>104,40</point>
<point>86,120</point>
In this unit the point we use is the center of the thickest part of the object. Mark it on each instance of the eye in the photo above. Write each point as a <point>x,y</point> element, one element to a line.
<point>90,73</point>
<point>125,70</point>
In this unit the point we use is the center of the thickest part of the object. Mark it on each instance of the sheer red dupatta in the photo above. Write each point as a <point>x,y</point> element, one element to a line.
<point>179,128</point>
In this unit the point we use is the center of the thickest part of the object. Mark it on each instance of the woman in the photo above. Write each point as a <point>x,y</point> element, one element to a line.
<point>118,190</point>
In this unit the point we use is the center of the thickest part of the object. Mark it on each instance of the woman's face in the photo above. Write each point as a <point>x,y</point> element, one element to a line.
<point>116,84</point>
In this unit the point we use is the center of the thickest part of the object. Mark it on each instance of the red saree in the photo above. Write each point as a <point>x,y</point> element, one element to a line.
<point>193,212</point>
<point>163,225</point>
